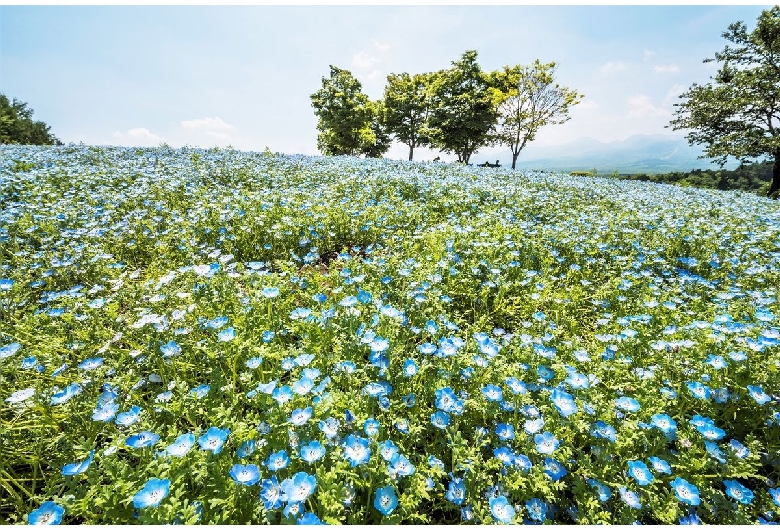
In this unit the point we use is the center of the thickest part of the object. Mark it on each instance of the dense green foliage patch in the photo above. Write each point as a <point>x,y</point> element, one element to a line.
<point>223,337</point>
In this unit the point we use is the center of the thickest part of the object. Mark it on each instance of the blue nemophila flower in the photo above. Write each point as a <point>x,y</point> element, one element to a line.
<point>356,450</point>
<point>8,350</point>
<point>577,380</point>
<point>226,335</point>
<point>447,401</point>
<point>665,423</point>
<point>627,403</point>
<point>546,443</point>
<point>660,465</point>
<point>20,395</point>
<point>515,385</point>
<point>758,394</point>
<point>493,393</point>
<point>282,394</point>
<point>639,472</point>
<point>268,335</point>
<point>717,362</point>
<point>440,419</point>
<point>200,391</point>
<point>6,284</point>
<point>714,451</point>
<point>300,313</point>
<point>216,323</point>
<point>690,519</point>
<point>142,439</point>
<point>504,431</point>
<point>309,519</point>
<point>554,469</point>
<point>698,390</point>
<point>410,368</point>
<point>79,467</point>
<point>91,364</point>
<point>153,492</point>
<point>300,416</point>
<point>125,419</point>
<point>246,475</point>
<point>387,449</point>
<point>270,292</point>
<point>181,445</point>
<point>534,425</point>
<point>375,389</point>
<point>272,494</point>
<point>427,348</point>
<point>312,451</point>
<point>299,487</point>
<point>288,363</point>
<point>66,394</point>
<point>537,509</point>
<point>456,491</point>
<point>630,498</point>
<point>28,362</point>
<point>246,449</point>
<point>170,349</point>
<point>278,460</point>
<point>371,427</point>
<point>602,491</point>
<point>710,432</point>
<point>522,462</point>
<point>213,439</point>
<point>48,513</point>
<point>545,373</point>
<point>385,500</point>
<point>685,491</point>
<point>504,454</point>
<point>105,413</point>
<point>604,431</point>
<point>501,510</point>
<point>775,494</point>
<point>400,466</point>
<point>738,492</point>
<point>740,451</point>
<point>329,427</point>
<point>564,402</point>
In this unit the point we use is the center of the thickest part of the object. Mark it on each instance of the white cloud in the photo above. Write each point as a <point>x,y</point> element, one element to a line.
<point>381,46</point>
<point>138,137</point>
<point>666,68</point>
<point>612,66</point>
<point>648,55</point>
<point>673,93</point>
<point>643,107</point>
<point>364,60</point>
<point>207,124</point>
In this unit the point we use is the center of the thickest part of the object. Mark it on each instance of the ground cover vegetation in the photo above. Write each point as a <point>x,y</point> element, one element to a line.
<point>211,336</point>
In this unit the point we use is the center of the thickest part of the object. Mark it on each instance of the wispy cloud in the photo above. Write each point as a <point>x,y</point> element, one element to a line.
<point>137,137</point>
<point>641,106</point>
<point>364,60</point>
<point>673,94</point>
<point>648,54</point>
<point>666,68</point>
<point>207,124</point>
<point>613,66</point>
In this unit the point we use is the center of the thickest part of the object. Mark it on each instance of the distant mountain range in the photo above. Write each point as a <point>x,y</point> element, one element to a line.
<point>640,153</point>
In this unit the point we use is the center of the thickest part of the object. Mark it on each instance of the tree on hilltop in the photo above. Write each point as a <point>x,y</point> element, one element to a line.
<point>531,100</point>
<point>463,108</point>
<point>18,127</point>
<point>739,113</point>
<point>348,121</point>
<point>407,103</point>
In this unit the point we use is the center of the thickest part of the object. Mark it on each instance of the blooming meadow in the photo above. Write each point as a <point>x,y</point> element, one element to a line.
<point>212,336</point>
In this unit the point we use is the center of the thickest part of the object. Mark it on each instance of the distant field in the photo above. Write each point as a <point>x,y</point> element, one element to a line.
<point>211,336</point>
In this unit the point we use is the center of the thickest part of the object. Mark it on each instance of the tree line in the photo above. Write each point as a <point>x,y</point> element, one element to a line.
<point>457,110</point>
<point>754,178</point>
<point>18,127</point>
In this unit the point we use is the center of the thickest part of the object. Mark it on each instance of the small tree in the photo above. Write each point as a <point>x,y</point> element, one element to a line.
<point>531,99</point>
<point>463,108</point>
<point>406,106</point>
<point>18,127</point>
<point>739,114</point>
<point>346,117</point>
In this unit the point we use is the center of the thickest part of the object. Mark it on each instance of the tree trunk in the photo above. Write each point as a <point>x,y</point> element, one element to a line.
<point>514,158</point>
<point>411,151</point>
<point>773,191</point>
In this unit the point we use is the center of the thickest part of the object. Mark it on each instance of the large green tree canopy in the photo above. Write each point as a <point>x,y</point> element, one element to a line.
<point>18,127</point>
<point>738,114</point>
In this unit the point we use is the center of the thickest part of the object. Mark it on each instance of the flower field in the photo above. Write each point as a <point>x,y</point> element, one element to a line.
<point>211,336</point>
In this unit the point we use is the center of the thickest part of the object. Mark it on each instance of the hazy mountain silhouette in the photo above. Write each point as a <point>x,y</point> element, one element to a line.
<point>640,153</point>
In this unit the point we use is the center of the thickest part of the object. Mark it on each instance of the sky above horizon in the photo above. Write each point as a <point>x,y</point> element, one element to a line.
<point>242,75</point>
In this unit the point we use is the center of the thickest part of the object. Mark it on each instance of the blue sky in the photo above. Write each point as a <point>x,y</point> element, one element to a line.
<point>242,75</point>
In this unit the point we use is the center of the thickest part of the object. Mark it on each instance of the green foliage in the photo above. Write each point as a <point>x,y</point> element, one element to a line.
<point>18,127</point>
<point>348,120</point>
<point>530,99</point>
<point>463,108</point>
<point>747,177</point>
<point>406,107</point>
<point>739,113</point>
